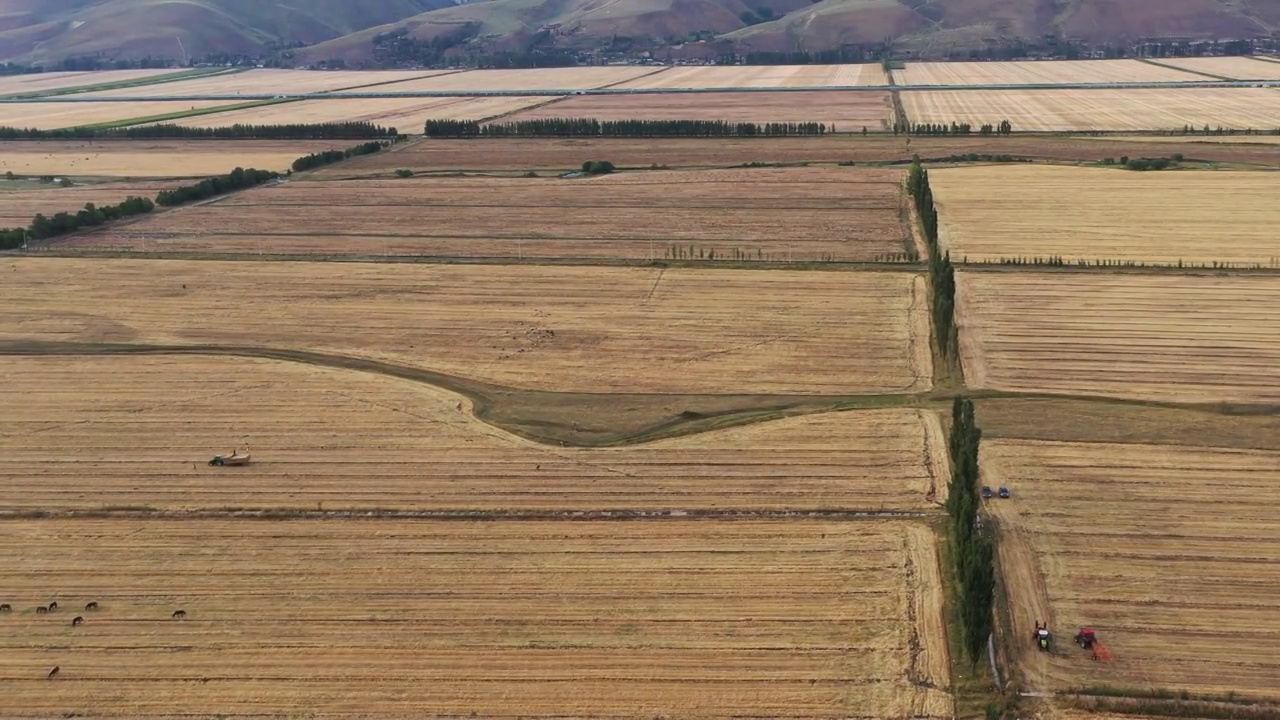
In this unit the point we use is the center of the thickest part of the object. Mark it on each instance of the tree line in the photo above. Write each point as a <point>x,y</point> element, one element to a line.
<point>237,179</point>
<point>973,551</point>
<point>43,228</point>
<point>296,131</point>
<point>328,157</point>
<point>942,276</point>
<point>589,127</point>
<point>1004,127</point>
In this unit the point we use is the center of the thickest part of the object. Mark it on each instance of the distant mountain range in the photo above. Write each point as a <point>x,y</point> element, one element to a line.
<point>49,30</point>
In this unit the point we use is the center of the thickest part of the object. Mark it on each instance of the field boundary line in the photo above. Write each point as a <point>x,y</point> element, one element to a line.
<point>1151,61</point>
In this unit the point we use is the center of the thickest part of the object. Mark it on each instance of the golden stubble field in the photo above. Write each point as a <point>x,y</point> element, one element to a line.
<point>772,215</point>
<point>590,329</point>
<point>1037,72</point>
<point>95,432</point>
<point>761,76</point>
<point>1172,554</point>
<point>1105,109</point>
<point>1184,338</point>
<point>56,115</point>
<point>1009,211</point>
<point>153,158</point>
<point>272,81</point>
<point>406,115</point>
<point>41,82</point>
<point>1238,68</point>
<point>375,618</point>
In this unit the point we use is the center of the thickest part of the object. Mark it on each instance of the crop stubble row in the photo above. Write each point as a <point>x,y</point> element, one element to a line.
<point>795,619</point>
<point>1171,554</point>
<point>796,214</point>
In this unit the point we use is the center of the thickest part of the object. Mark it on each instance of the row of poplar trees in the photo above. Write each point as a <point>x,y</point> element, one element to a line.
<point>942,275</point>
<point>973,549</point>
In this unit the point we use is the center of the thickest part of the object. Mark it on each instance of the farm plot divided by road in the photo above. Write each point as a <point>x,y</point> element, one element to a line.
<point>426,619</point>
<point>993,212</point>
<point>757,215</point>
<point>589,329</point>
<point>406,115</point>
<point>543,79</point>
<point>848,111</point>
<point>1178,338</point>
<point>1035,73</point>
<point>1171,554</point>
<point>1128,110</point>
<point>270,81</point>
<point>84,433</point>
<point>57,115</point>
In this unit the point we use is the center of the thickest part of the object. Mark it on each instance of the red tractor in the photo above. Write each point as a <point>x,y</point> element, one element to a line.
<point>1088,639</point>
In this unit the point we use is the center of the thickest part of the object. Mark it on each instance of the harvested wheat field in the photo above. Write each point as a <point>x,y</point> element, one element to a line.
<point>1151,337</point>
<point>1008,211</point>
<point>51,115</point>
<point>848,111</point>
<point>1235,68</point>
<point>588,329</point>
<point>1171,554</point>
<point>18,207</point>
<point>1196,142</point>
<point>542,79</point>
<point>430,619</point>
<point>1038,72</point>
<point>153,158</point>
<point>753,215</point>
<point>404,114</point>
<point>86,433</point>
<point>45,82</point>
<point>270,81</point>
<point>1128,110</point>
<point>760,76</point>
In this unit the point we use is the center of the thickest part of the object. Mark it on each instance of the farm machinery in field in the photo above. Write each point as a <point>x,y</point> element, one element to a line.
<point>235,459</point>
<point>1087,639</point>
<point>1043,638</point>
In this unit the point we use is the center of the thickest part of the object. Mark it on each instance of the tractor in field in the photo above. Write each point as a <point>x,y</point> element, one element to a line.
<point>1087,639</point>
<point>235,459</point>
<point>1043,638</point>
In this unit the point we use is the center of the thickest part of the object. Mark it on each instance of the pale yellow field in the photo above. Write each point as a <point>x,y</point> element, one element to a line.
<point>592,329</point>
<point>373,618</point>
<point>88,433</point>
<point>1194,139</point>
<point>1180,338</point>
<point>19,84</point>
<point>405,114</point>
<point>153,158</point>
<point>270,81</point>
<point>1066,110</point>
<point>761,76</point>
<point>571,78</point>
<point>1037,72</point>
<point>55,115</point>
<point>1007,211</point>
<point>1172,554</point>
<point>1238,68</point>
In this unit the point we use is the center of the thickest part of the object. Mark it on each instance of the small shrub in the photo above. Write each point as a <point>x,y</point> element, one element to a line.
<point>598,167</point>
<point>404,173</point>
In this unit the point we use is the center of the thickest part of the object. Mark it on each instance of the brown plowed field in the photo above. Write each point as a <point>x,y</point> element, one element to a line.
<point>569,154</point>
<point>792,214</point>
<point>848,111</point>
<point>1009,211</point>
<point>590,329</point>
<point>153,158</point>
<point>1156,337</point>
<point>1171,555</point>
<point>426,619</point>
<point>1121,109</point>
<point>87,433</point>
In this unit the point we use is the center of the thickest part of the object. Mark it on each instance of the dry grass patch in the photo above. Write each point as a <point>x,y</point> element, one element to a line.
<point>153,158</point>
<point>589,329</point>
<point>678,618</point>
<point>1006,211</point>
<point>848,111</point>
<point>1130,109</point>
<point>88,433</point>
<point>770,215</point>
<point>1173,556</point>
<point>404,114</point>
<point>761,76</point>
<point>1037,72</point>
<point>1155,337</point>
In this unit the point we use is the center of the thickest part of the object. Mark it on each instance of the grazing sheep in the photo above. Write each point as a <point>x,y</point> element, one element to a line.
<point>91,606</point>
<point>76,621</point>
<point>53,606</point>
<point>41,610</point>
<point>178,614</point>
<point>5,608</point>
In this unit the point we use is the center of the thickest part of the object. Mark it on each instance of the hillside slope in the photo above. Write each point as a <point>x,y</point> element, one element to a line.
<point>927,25</point>
<point>49,30</point>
